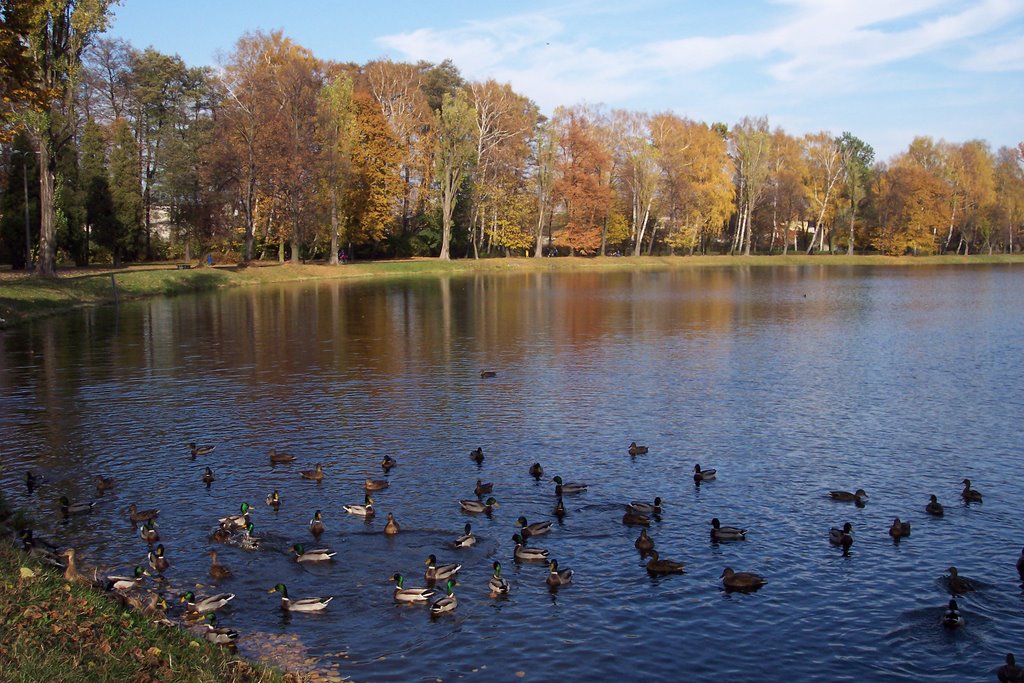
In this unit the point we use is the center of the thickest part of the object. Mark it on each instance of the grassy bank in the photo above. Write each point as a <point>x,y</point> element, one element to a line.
<point>23,297</point>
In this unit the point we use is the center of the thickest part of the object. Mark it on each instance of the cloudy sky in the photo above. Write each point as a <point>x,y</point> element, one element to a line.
<point>885,70</point>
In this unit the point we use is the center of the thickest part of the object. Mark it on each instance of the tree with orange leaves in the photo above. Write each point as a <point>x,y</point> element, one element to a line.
<point>582,164</point>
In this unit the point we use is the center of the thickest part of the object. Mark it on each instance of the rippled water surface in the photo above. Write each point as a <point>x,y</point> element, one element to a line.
<point>789,381</point>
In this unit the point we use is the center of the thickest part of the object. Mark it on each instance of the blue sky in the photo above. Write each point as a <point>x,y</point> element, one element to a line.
<point>885,70</point>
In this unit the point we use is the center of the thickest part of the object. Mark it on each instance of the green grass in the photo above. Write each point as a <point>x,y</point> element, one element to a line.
<point>24,297</point>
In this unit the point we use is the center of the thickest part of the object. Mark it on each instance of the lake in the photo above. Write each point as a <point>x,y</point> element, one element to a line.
<point>791,381</point>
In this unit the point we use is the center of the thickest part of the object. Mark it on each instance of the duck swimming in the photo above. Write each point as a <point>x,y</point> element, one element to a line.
<point>842,537</point>
<point>467,539</point>
<point>535,529</point>
<point>68,508</point>
<point>148,532</point>
<point>218,635</point>
<point>200,450</point>
<point>364,510</point>
<point>446,604</point>
<point>157,560</point>
<point>631,518</point>
<point>658,566</point>
<point>477,455</point>
<point>637,450</point>
<point>536,471</point>
<point>435,572</point>
<point>482,488</point>
<point>204,605</point>
<point>217,570</point>
<point>137,515</point>
<point>239,521</point>
<point>558,577</point>
<point>316,525</point>
<point>859,496</point>
<point>278,457</point>
<point>562,488</point>
<point>726,533</point>
<point>497,584</point>
<point>952,618</point>
<point>387,463</point>
<point>313,555</point>
<point>403,594</point>
<point>391,528</point>
<point>645,507</point>
<point>208,476</point>
<point>316,474</point>
<point>123,583</point>
<point>103,483</point>
<point>301,605</point>
<point>700,475</point>
<point>475,506</point>
<point>524,554</point>
<point>970,495</point>
<point>376,484</point>
<point>957,584</point>
<point>644,543</point>
<point>934,507</point>
<point>899,529</point>
<point>741,581</point>
<point>559,510</point>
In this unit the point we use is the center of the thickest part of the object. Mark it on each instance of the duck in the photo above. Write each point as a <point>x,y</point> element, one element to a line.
<point>32,481</point>
<point>103,483</point>
<point>858,497</point>
<point>1020,564</point>
<point>700,475</point>
<point>200,450</point>
<point>631,518</point>
<point>316,525</point>
<point>497,584</point>
<point>957,584</point>
<point>559,510</point>
<point>247,538</point>
<point>562,488</point>
<point>376,484</point>
<point>558,577</point>
<point>435,572</point>
<point>222,535</point>
<point>476,506</point>
<point>535,529</point>
<point>274,500</point>
<point>467,539</point>
<point>477,455</point>
<point>387,463</point>
<point>645,507</point>
<point>842,537</point>
<point>952,618</point>
<point>157,560</point>
<point>239,521</point>
<point>486,374</point>
<point>970,495</point>
<point>210,604</point>
<point>68,508</point>
<point>364,510</point>
<point>637,450</point>
<point>137,515</point>
<point>446,604</point>
<point>726,533</point>
<point>403,594</point>
<point>42,550</point>
<point>741,581</point>
<point>316,474</point>
<point>934,507</point>
<point>217,570</point>
<point>899,529</point>
<point>482,488</point>
<point>644,543</point>
<point>302,605</point>
<point>208,476</point>
<point>123,583</point>
<point>71,572</point>
<point>278,457</point>
<point>391,528</point>
<point>1010,672</point>
<point>524,554</point>
<point>218,635</point>
<point>148,532</point>
<point>536,471</point>
<point>313,555</point>
<point>657,565</point>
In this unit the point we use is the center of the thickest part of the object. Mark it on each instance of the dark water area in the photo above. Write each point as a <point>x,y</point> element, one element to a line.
<point>790,381</point>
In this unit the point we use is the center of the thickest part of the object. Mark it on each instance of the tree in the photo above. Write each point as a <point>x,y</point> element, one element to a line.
<point>456,145</point>
<point>336,131</point>
<point>125,193</point>
<point>786,200</point>
<point>857,157</point>
<point>638,169</point>
<point>751,150</point>
<point>542,178</point>
<point>581,165</point>
<point>20,88</point>
<point>375,185</point>
<point>1009,205</point>
<point>911,204</point>
<point>825,171</point>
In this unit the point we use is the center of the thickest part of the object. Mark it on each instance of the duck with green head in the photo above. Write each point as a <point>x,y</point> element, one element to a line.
<point>561,488</point>
<point>364,510</point>
<point>148,532</point>
<point>498,584</point>
<point>123,583</point>
<point>157,560</point>
<point>476,507</point>
<point>726,533</point>
<point>208,476</point>
<point>524,554</point>
<point>239,521</point>
<point>558,577</point>
<point>200,450</point>
<point>436,572</point>
<point>204,605</point>
<point>312,555</point>
<point>403,594</point>
<point>302,605</point>
<point>467,539</point>
<point>536,529</point>
<point>216,635</point>
<point>68,508</point>
<point>448,603</point>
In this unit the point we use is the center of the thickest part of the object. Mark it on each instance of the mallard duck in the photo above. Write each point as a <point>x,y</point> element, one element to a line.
<point>524,554</point>
<point>446,604</point>
<point>123,583</point>
<point>482,488</point>
<point>467,539</point>
<point>952,618</point>
<point>476,506</point>
<point>103,483</point>
<point>316,525</point>
<point>536,471</point>
<point>210,604</point>
<point>535,529</point>
<point>497,584</point>
<point>700,475</point>
<point>137,515</point>
<point>477,455</point>
<point>646,508</point>
<point>148,532</point>
<point>562,488</point>
<point>631,518</point>
<point>303,605</point>
<point>32,481</point>
<point>1010,672</point>
<point>637,450</point>
<point>247,538</point>
<point>559,510</point>
<point>217,570</point>
<point>364,510</point>
<point>316,474</point>
<point>217,635</point>
<point>208,476</point>
<point>239,521</point>
<point>934,507</point>
<point>957,584</point>
<point>485,374</point>
<point>858,497</point>
<point>436,573</point>
<point>970,495</point>
<point>314,555</point>
<point>841,537</point>
<point>1020,564</point>
<point>274,500</point>
<point>644,543</point>
<point>278,457</point>
<point>726,533</point>
<point>200,450</point>
<point>557,577</point>
<point>391,528</point>
<point>375,484</point>
<point>741,581</point>
<point>157,560</point>
<point>899,529</point>
<point>68,508</point>
<point>387,463</point>
<point>71,572</point>
<point>222,535</point>
<point>403,594</point>
<point>658,566</point>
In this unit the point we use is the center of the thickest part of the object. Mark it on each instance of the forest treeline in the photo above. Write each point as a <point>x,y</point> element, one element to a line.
<point>114,154</point>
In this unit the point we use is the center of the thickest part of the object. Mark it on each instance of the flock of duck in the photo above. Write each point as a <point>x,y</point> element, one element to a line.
<point>238,530</point>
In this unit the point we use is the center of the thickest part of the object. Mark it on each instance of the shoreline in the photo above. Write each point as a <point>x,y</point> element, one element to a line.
<point>24,297</point>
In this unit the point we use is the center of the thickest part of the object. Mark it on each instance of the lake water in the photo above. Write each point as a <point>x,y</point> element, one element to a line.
<point>789,381</point>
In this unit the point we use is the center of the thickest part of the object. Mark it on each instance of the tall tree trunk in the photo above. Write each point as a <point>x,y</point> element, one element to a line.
<point>334,227</point>
<point>46,266</point>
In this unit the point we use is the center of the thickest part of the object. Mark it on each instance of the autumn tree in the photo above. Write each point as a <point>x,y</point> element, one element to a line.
<point>336,135</point>
<point>857,157</point>
<point>544,160</point>
<point>750,148</point>
<point>1008,211</point>
<point>582,165</point>
<point>911,205</point>
<point>825,172</point>
<point>637,167</point>
<point>455,124</point>
<point>376,184</point>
